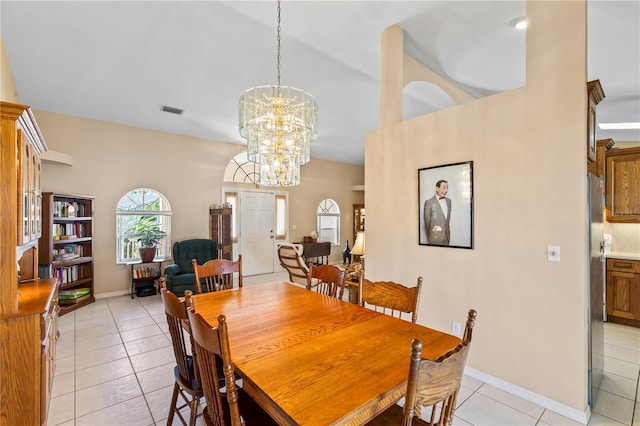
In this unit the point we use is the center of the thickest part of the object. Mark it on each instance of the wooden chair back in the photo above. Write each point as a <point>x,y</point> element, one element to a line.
<point>217,274</point>
<point>390,298</point>
<point>436,383</point>
<point>432,384</point>
<point>290,256</point>
<point>327,280</point>
<point>177,318</point>
<point>209,342</point>
<point>187,384</point>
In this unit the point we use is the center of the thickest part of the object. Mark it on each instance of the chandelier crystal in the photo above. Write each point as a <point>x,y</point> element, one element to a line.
<point>279,124</point>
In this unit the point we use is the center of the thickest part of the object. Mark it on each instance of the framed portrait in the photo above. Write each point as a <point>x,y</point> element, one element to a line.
<point>445,205</point>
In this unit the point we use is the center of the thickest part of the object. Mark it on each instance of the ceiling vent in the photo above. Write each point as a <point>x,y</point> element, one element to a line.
<point>172,110</point>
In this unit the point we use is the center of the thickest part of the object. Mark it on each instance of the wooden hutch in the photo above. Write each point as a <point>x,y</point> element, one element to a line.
<point>28,305</point>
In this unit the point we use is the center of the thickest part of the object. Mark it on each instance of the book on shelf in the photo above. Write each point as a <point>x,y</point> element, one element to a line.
<point>66,231</point>
<point>67,274</point>
<point>66,256</point>
<point>74,300</point>
<point>73,294</point>
<point>69,209</point>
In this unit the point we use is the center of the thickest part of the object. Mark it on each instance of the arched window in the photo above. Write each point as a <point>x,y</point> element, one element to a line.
<point>142,214</point>
<point>241,170</point>
<point>329,221</point>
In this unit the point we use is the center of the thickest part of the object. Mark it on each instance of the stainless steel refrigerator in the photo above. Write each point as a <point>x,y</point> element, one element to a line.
<point>595,202</point>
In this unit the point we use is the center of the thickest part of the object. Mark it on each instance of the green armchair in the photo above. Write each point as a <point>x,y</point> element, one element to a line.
<point>180,276</point>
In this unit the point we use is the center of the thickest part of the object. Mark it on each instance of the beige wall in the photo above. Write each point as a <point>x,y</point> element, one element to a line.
<point>109,160</point>
<point>528,149</point>
<point>7,87</point>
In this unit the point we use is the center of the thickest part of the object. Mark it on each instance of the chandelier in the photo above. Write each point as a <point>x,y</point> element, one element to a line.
<point>279,124</point>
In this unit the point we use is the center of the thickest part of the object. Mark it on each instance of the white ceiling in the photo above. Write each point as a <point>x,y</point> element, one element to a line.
<point>121,61</point>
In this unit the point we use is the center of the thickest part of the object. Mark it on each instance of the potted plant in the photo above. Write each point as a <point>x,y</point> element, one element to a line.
<point>147,233</point>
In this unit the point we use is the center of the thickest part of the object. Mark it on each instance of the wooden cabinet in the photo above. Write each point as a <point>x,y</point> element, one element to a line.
<point>594,96</point>
<point>28,148</point>
<point>29,338</point>
<point>623,185</point>
<point>220,231</point>
<point>623,291</point>
<point>28,305</point>
<point>358,225</point>
<point>67,243</point>
<point>598,167</point>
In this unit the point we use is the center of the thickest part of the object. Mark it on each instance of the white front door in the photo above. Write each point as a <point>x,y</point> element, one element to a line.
<point>257,234</point>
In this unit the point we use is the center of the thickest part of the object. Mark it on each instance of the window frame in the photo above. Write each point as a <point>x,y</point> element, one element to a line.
<point>328,208</point>
<point>125,248</point>
<point>231,198</point>
<point>281,216</point>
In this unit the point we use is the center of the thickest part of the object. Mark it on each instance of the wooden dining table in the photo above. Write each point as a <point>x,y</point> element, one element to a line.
<point>309,359</point>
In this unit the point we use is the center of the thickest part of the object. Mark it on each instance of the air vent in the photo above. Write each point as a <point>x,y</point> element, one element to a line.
<point>172,110</point>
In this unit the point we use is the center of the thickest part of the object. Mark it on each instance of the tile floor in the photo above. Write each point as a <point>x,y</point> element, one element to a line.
<point>115,361</point>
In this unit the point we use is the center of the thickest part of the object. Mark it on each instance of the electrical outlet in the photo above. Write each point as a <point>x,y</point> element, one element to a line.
<point>455,328</point>
<point>553,253</point>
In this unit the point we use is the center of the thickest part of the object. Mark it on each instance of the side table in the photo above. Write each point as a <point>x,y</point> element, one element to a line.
<point>144,277</point>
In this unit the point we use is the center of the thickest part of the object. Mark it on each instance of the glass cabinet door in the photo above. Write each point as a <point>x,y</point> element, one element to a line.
<point>24,184</point>
<point>35,200</point>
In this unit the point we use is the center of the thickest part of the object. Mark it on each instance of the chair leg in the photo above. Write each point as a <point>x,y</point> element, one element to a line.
<point>188,402</point>
<point>194,411</point>
<point>172,407</point>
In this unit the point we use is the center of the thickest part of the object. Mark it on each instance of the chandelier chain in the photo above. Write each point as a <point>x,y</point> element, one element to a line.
<point>278,43</point>
<point>279,124</point>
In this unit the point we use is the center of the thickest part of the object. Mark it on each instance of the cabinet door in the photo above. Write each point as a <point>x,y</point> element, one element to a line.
<point>623,295</point>
<point>623,181</point>
<point>591,130</point>
<point>34,200</point>
<point>25,164</point>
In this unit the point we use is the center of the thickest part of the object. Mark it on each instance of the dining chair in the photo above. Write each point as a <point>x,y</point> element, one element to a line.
<point>327,280</point>
<point>290,256</point>
<point>389,297</point>
<point>217,274</point>
<point>186,384</point>
<point>352,281</point>
<point>432,384</point>
<point>234,407</point>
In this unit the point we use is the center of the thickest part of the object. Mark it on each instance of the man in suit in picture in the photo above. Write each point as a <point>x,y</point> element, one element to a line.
<point>437,212</point>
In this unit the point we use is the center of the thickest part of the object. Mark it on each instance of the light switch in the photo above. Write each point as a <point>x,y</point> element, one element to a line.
<point>553,253</point>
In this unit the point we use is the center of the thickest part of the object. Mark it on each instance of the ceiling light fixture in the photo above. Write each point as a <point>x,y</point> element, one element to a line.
<point>279,124</point>
<point>619,126</point>
<point>519,23</point>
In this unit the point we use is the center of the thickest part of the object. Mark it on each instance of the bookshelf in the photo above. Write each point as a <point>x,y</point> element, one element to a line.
<point>144,275</point>
<point>67,244</point>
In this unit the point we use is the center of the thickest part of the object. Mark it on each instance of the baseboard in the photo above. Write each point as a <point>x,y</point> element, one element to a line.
<point>112,294</point>
<point>564,410</point>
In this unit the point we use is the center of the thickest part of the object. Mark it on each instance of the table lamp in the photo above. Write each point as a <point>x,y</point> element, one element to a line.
<point>358,247</point>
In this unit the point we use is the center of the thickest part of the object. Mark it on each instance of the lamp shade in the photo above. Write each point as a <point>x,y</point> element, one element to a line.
<point>358,246</point>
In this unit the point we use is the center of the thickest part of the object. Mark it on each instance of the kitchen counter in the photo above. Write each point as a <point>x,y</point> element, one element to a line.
<point>622,255</point>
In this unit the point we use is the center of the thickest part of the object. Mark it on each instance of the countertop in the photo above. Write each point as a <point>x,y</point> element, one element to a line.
<point>622,255</point>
